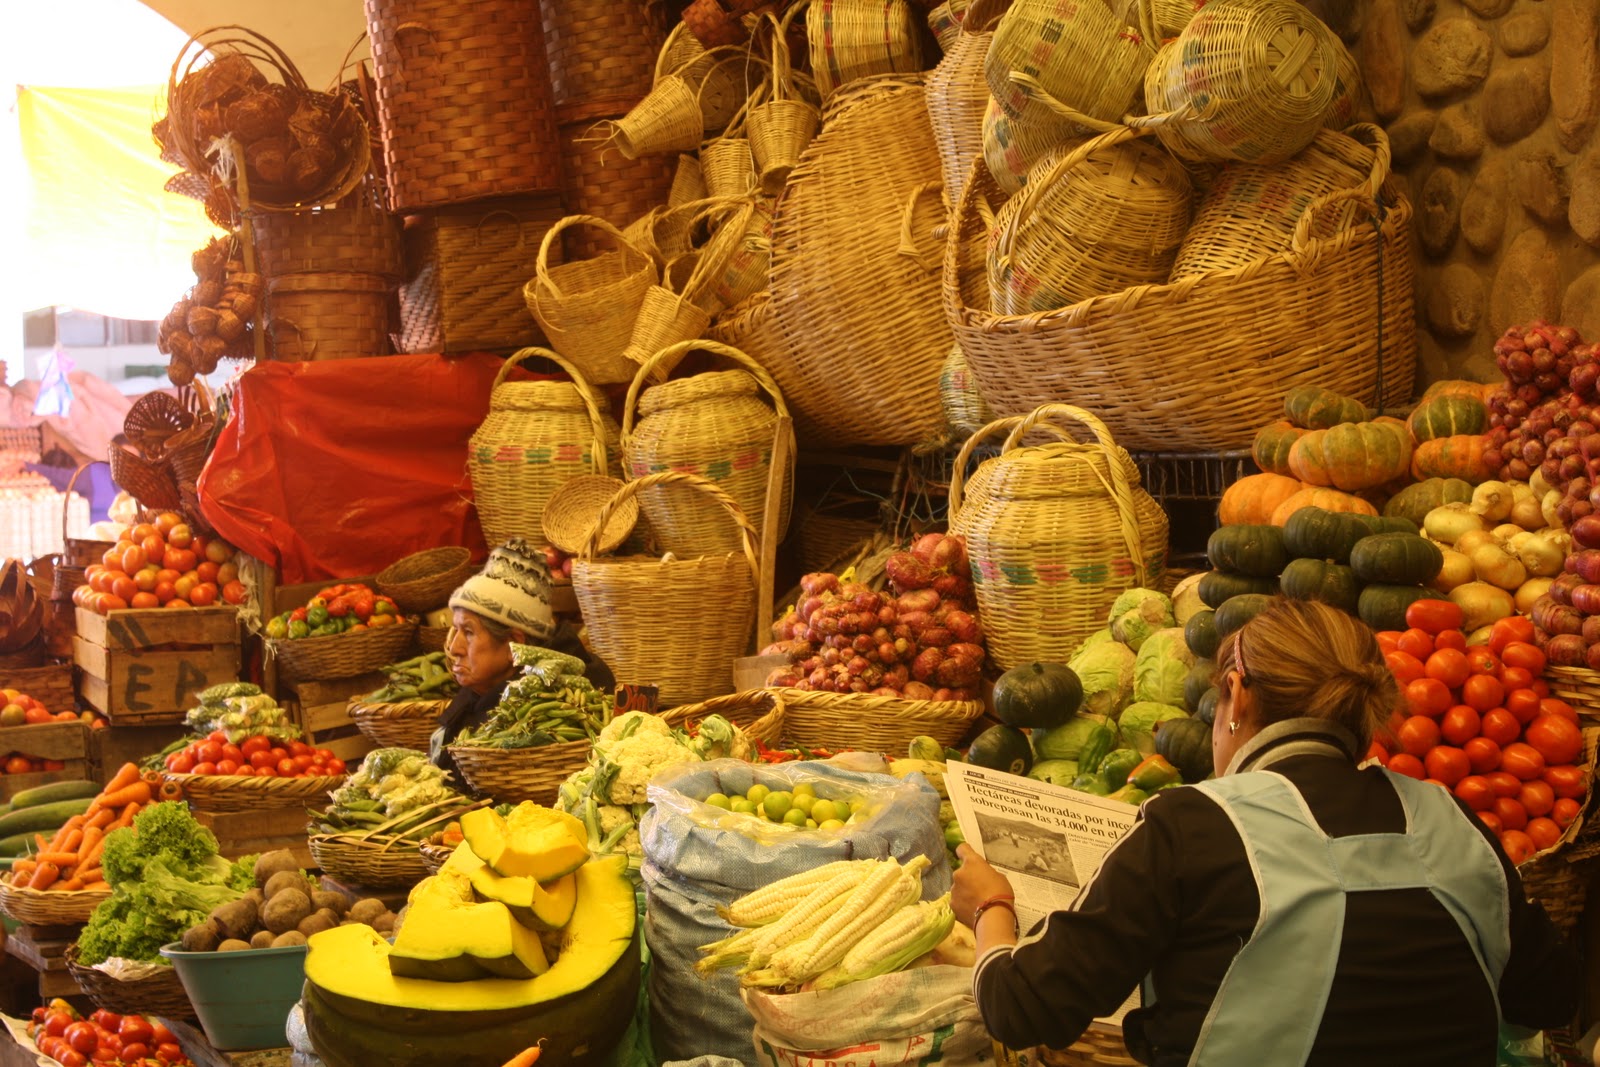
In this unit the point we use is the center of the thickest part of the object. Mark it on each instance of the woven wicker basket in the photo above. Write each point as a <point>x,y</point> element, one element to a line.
<point>1553,876</point>
<point>757,712</point>
<point>1056,533</point>
<point>310,659</point>
<point>1080,55</point>
<point>464,99</point>
<point>782,125</point>
<point>958,94</point>
<point>853,259</point>
<point>688,183</point>
<point>149,482</point>
<point>341,240</point>
<point>587,308</point>
<point>1098,1046</point>
<point>466,267</point>
<point>327,316</point>
<point>49,907</point>
<point>1349,94</point>
<point>512,775</point>
<point>536,436</point>
<point>225,793</point>
<point>600,181</point>
<point>434,857</point>
<point>355,861</point>
<point>1106,216</point>
<point>873,723</point>
<point>602,52</point>
<point>78,552</point>
<point>423,581</point>
<point>570,514</point>
<point>700,97</point>
<point>712,424</point>
<point>964,408</point>
<point>686,663</point>
<point>409,724</point>
<point>853,39</point>
<point>1350,293</point>
<point>432,638</point>
<point>161,994</point>
<point>1578,686</point>
<point>50,684</point>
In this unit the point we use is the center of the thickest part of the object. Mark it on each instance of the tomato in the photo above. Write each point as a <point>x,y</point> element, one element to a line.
<point>323,754</point>
<point>1544,832</point>
<point>108,1019</point>
<point>1447,764</point>
<point>1449,666</point>
<point>1522,760</point>
<point>1461,723</point>
<point>169,1052</point>
<point>1568,781</point>
<point>227,766</point>
<point>233,752</point>
<point>1415,642</point>
<point>57,1022</point>
<point>1518,845</point>
<point>81,1037</point>
<point>1500,726</point>
<point>1536,797</point>
<point>1565,810</point>
<point>210,752</point>
<point>303,762</point>
<point>1388,640</point>
<point>1405,667</point>
<point>1483,754</point>
<point>1475,792</point>
<point>1521,654</point>
<point>267,770</point>
<point>1407,764</point>
<point>1482,692</point>
<point>1516,678</point>
<point>136,1050</point>
<point>111,1043</point>
<point>1523,704</point>
<point>1557,739</point>
<point>299,748</point>
<point>287,768</point>
<point>1376,751</point>
<point>182,763</point>
<point>278,753</point>
<point>1435,616</point>
<point>336,766</point>
<point>1503,784</point>
<point>261,758</point>
<point>1512,815</point>
<point>135,1028</point>
<point>255,743</point>
<point>1451,639</point>
<point>1513,628</point>
<point>204,767</point>
<point>1491,820</point>
<point>1428,696</point>
<point>71,1058</point>
<point>1541,687</point>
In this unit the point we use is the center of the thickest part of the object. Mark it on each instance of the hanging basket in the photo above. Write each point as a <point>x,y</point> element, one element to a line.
<point>691,658</point>
<point>782,125</point>
<point>699,98</point>
<point>588,308</point>
<point>149,482</point>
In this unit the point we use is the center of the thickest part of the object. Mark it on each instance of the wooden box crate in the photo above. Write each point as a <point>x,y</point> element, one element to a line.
<point>110,749</point>
<point>322,710</point>
<point>67,742</point>
<point>44,948</point>
<point>142,667</point>
<point>246,833</point>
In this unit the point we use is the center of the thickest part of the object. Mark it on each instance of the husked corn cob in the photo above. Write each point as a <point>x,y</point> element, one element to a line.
<point>884,892</point>
<point>758,943</point>
<point>769,903</point>
<point>911,932</point>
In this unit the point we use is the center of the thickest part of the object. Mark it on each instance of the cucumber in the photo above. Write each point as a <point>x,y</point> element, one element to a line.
<point>41,817</point>
<point>49,794</point>
<point>16,845</point>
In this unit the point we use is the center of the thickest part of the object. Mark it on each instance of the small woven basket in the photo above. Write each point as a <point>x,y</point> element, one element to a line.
<point>358,239</point>
<point>958,94</point>
<point>227,793</point>
<point>161,994</point>
<point>423,581</point>
<point>374,865</point>
<point>702,96</point>
<point>327,316</point>
<point>1081,56</point>
<point>571,511</point>
<point>781,126</point>
<point>407,724</point>
<point>688,182</point>
<point>434,857</point>
<point>757,712</point>
<point>588,307</point>
<point>512,775</point>
<point>853,39</point>
<point>685,663</point>
<point>432,638</point>
<point>155,417</point>
<point>861,721</point>
<point>151,483</point>
<point>311,659</point>
<point>49,907</point>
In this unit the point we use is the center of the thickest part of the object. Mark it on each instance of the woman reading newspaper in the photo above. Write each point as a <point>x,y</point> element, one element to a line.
<point>1292,910</point>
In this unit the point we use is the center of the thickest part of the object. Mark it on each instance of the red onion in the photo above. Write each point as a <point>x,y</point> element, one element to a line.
<point>1530,394</point>
<point>1584,378</point>
<point>1566,650</point>
<point>1561,588</point>
<point>1556,618</point>
<point>1544,360</point>
<point>917,691</point>
<point>1586,532</point>
<point>1519,470</point>
<point>1585,564</point>
<point>1519,367</point>
<point>1586,599</point>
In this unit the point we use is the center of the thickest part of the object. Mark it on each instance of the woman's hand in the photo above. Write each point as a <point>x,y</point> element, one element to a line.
<point>974,882</point>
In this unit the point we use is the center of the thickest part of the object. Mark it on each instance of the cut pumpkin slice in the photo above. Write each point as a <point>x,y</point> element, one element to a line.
<point>539,907</point>
<point>449,937</point>
<point>531,845</point>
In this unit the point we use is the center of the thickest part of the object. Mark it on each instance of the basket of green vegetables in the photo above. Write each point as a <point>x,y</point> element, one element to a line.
<point>540,733</point>
<point>405,711</point>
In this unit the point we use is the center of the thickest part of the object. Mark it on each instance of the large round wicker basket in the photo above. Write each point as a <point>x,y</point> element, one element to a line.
<point>375,865</point>
<point>345,655</point>
<point>160,994</point>
<point>423,581</point>
<point>512,775</point>
<point>815,719</point>
<point>49,907</point>
<point>228,793</point>
<point>406,724</point>
<point>760,713</point>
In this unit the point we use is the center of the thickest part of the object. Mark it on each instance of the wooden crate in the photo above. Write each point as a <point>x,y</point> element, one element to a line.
<point>322,710</point>
<point>110,749</point>
<point>246,833</point>
<point>144,687</point>
<point>67,742</point>
<point>151,628</point>
<point>44,949</point>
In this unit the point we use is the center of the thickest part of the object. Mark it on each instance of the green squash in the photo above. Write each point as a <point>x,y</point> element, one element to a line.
<point>1186,743</point>
<point>1312,533</point>
<point>1239,610</point>
<point>1416,500</point>
<point>1312,407</point>
<point>1271,447</point>
<point>1383,607</point>
<point>1217,588</point>
<point>1446,415</point>
<point>1206,710</point>
<point>1200,678</point>
<point>1255,551</point>
<point>1313,579</point>
<point>1396,559</point>
<point>1200,634</point>
<point>449,937</point>
<point>1037,694</point>
<point>1379,524</point>
<point>1002,748</point>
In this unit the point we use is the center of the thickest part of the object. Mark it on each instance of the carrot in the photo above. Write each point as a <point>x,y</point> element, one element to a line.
<point>45,876</point>
<point>91,854</point>
<point>127,775</point>
<point>102,819</point>
<point>25,866</point>
<point>70,884</point>
<point>68,841</point>
<point>91,837</point>
<point>43,845</point>
<point>153,779</point>
<point>98,887</point>
<point>60,859</point>
<point>137,793</point>
<point>126,818</point>
<point>526,1058</point>
<point>90,872</point>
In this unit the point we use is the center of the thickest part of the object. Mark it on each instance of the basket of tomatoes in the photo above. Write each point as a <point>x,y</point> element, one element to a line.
<point>214,774</point>
<point>104,1037</point>
<point>1480,721</point>
<point>344,631</point>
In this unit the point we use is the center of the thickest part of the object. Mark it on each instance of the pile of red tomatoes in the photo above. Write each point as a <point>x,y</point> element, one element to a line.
<point>104,1037</point>
<point>257,755</point>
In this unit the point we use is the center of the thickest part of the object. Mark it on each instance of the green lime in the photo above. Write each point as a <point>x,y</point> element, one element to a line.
<point>830,824</point>
<point>804,801</point>
<point>717,800</point>
<point>794,817</point>
<point>743,807</point>
<point>803,789</point>
<point>811,824</point>
<point>824,810</point>
<point>777,805</point>
<point>757,793</point>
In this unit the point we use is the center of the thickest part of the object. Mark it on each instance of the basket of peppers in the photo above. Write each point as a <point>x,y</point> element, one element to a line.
<point>343,631</point>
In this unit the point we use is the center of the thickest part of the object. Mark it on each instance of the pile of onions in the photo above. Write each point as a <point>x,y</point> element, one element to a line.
<point>1567,617</point>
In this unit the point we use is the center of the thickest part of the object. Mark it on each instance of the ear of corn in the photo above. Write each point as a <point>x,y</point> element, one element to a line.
<point>770,903</point>
<point>911,932</point>
<point>883,893</point>
<point>751,947</point>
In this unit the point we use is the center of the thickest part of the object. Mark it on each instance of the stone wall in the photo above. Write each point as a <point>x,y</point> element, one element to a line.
<point>1491,109</point>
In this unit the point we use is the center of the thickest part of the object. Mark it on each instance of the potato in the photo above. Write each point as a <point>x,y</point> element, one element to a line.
<point>285,910</point>
<point>288,880</point>
<point>262,939</point>
<point>257,896</point>
<point>337,903</point>
<point>316,923</point>
<point>288,938</point>
<point>238,919</point>
<point>233,944</point>
<point>364,911</point>
<point>203,936</point>
<point>275,862</point>
<point>384,923</point>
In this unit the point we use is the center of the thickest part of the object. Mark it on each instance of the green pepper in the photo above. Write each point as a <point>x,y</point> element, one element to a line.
<point>1169,785</point>
<point>1095,747</point>
<point>317,615</point>
<point>1091,783</point>
<point>327,629</point>
<point>1153,773</point>
<point>1129,794</point>
<point>1117,765</point>
<point>299,629</point>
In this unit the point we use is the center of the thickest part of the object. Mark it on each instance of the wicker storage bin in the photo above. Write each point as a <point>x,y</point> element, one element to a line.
<point>327,316</point>
<point>536,436</point>
<point>686,661</point>
<point>464,100</point>
<point>49,907</point>
<point>853,271</point>
<point>1251,210</point>
<point>958,94</point>
<point>512,775</point>
<point>713,424</point>
<point>409,724</point>
<point>602,52</point>
<point>423,581</point>
<point>1350,293</point>
<point>161,994</point>
<point>853,39</point>
<point>1100,1045</point>
<point>1080,55</point>
<point>312,659</point>
<point>50,684</point>
<point>864,722</point>
<point>222,793</point>
<point>757,712</point>
<point>370,864</point>
<point>602,182</point>
<point>1263,74</point>
<point>588,307</point>
<point>1106,216</point>
<point>465,268</point>
<point>338,240</point>
<point>1056,532</point>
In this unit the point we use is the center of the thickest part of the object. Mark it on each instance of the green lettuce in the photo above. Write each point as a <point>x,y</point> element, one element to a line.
<point>1106,671</point>
<point>1139,721</point>
<point>1161,666</point>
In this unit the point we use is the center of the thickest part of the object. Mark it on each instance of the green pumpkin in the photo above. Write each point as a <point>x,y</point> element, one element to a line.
<point>1396,559</point>
<point>1314,579</point>
<point>1312,533</point>
<point>1312,407</point>
<point>1379,524</point>
<point>1254,551</point>
<point>1217,588</point>
<point>1002,748</point>
<point>1199,679</point>
<point>1240,610</point>
<point>1037,694</point>
<point>1445,415</point>
<point>1186,744</point>
<point>1383,607</point>
<point>1415,501</point>
<point>1200,634</point>
<point>1206,710</point>
<point>1272,444</point>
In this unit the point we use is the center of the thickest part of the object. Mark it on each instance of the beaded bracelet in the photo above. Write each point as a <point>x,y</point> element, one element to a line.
<point>1000,900</point>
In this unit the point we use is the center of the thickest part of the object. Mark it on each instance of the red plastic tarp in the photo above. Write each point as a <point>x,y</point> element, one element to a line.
<point>338,468</point>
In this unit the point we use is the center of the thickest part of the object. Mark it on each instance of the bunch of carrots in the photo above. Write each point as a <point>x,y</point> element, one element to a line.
<point>71,859</point>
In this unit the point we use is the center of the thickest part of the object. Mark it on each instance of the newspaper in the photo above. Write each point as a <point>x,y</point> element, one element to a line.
<point>1047,840</point>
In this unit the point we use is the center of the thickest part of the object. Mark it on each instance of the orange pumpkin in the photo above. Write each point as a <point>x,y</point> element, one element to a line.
<point>1326,499</point>
<point>1251,501</point>
<point>1463,456</point>
<point>1353,455</point>
<point>1272,445</point>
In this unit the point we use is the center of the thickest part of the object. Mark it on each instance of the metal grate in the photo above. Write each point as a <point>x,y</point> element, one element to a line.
<point>1198,476</point>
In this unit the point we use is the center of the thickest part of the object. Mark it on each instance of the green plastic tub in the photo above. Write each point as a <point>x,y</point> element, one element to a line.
<point>241,998</point>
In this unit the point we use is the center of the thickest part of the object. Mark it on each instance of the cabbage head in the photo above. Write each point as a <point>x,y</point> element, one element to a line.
<point>1055,771</point>
<point>1186,602</point>
<point>1106,671</point>
<point>1064,742</point>
<point>1136,597</point>
<point>1099,637</point>
<point>1139,720</point>
<point>1162,664</point>
<point>1147,616</point>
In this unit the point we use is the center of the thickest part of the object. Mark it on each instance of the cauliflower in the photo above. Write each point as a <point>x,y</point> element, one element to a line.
<point>717,738</point>
<point>630,724</point>
<point>625,766</point>
<point>613,817</point>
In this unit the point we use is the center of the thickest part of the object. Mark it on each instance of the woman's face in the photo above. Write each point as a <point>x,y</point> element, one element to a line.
<point>477,659</point>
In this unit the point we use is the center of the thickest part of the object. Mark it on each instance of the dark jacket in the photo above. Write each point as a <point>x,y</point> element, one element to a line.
<point>468,709</point>
<point>1175,898</point>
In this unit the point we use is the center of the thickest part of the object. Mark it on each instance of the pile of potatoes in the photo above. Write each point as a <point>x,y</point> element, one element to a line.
<point>284,909</point>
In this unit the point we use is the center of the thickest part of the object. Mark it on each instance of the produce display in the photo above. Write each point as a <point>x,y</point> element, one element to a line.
<point>283,908</point>
<point>1561,614</point>
<point>104,1037</point>
<point>240,731</point>
<point>162,564</point>
<point>920,641</point>
<point>54,810</point>
<point>20,709</point>
<point>338,609</point>
<point>551,702</point>
<point>396,793</point>
<point>1478,721</point>
<point>925,756</point>
<point>425,677</point>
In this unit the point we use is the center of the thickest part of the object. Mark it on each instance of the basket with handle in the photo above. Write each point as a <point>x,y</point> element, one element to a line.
<point>784,123</point>
<point>862,721</point>
<point>741,247</point>
<point>535,437</point>
<point>673,311</point>
<point>1081,55</point>
<point>702,96</point>
<point>958,94</point>
<point>1349,292</point>
<point>601,52</point>
<point>600,181</point>
<point>726,164</point>
<point>1011,147</point>
<point>712,424</point>
<point>1056,532</point>
<point>424,580</point>
<point>688,182</point>
<point>1108,215</point>
<point>149,481</point>
<point>759,713</point>
<point>588,308</point>
<point>686,663</point>
<point>853,39</point>
<point>77,552</point>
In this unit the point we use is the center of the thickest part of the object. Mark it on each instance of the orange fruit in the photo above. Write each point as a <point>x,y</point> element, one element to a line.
<point>145,600</point>
<point>166,521</point>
